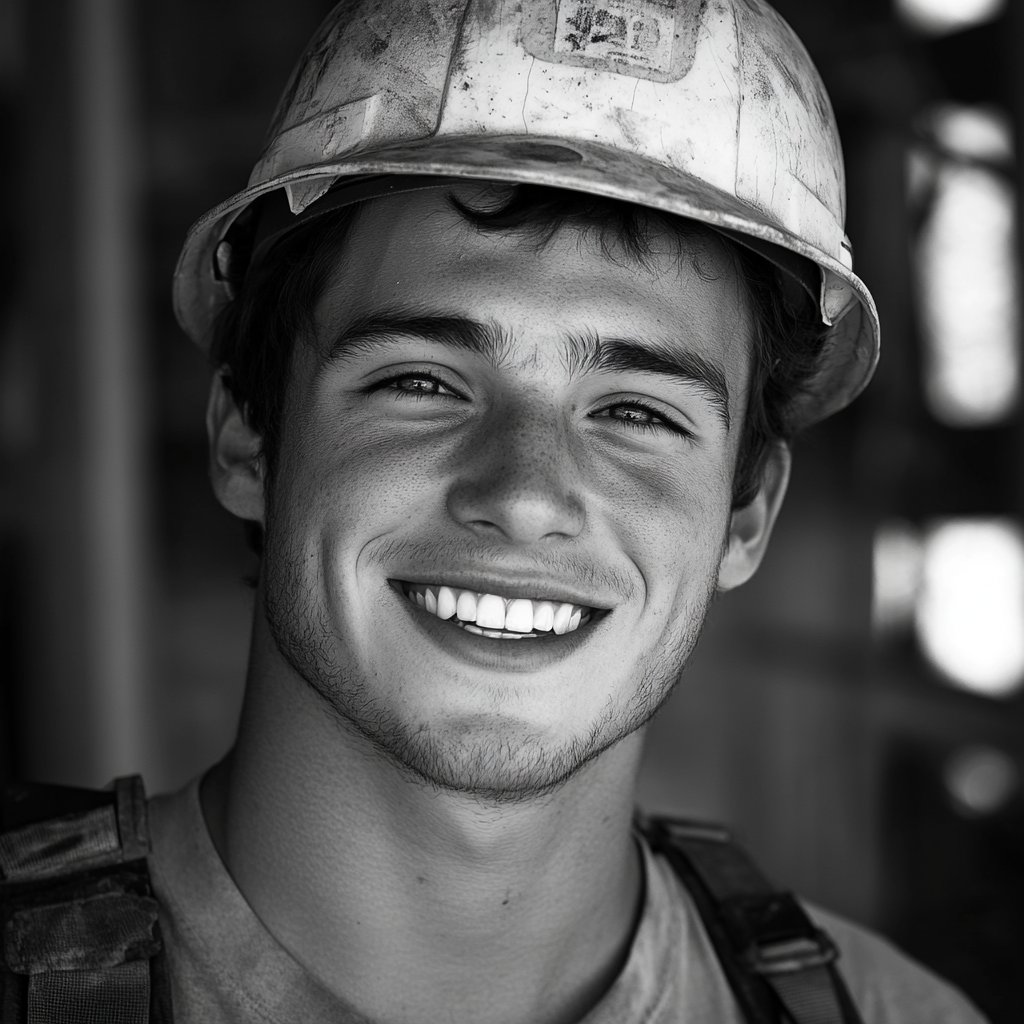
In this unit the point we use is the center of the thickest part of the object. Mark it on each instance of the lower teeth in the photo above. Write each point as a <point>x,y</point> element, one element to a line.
<point>494,634</point>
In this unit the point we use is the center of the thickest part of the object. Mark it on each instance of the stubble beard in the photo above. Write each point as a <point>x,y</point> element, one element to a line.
<point>495,767</point>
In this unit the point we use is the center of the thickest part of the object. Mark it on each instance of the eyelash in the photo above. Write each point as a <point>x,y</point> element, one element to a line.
<point>643,426</point>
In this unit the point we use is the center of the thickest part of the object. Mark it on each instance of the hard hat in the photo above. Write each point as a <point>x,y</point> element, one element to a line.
<point>709,109</point>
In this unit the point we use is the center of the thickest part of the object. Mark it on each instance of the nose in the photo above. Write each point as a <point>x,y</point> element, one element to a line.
<point>520,480</point>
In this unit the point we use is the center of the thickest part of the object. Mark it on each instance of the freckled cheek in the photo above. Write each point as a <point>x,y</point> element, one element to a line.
<point>663,489</point>
<point>364,483</point>
<point>669,523</point>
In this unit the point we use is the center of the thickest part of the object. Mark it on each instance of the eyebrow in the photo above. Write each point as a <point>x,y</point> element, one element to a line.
<point>582,352</point>
<point>589,353</point>
<point>487,340</point>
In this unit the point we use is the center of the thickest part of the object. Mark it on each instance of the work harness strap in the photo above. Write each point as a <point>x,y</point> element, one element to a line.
<point>81,940</point>
<point>780,966</point>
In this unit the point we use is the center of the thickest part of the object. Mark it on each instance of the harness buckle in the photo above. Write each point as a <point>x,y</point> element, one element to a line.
<point>790,955</point>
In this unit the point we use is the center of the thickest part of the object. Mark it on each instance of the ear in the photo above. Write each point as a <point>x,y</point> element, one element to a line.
<point>236,468</point>
<point>750,527</point>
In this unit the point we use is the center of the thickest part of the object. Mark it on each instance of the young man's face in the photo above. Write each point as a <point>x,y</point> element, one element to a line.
<point>540,424</point>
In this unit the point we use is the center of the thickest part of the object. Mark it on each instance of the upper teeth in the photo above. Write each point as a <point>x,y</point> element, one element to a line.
<point>497,615</point>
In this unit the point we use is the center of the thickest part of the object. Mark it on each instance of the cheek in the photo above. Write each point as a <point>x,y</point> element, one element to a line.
<point>671,495</point>
<point>671,520</point>
<point>344,478</point>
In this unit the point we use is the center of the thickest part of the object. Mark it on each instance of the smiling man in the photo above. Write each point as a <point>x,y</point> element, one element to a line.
<point>512,328</point>
<point>491,438</point>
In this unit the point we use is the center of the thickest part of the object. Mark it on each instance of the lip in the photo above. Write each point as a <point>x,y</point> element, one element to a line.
<point>526,655</point>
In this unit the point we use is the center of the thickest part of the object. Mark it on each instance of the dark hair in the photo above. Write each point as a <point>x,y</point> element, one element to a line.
<point>254,336</point>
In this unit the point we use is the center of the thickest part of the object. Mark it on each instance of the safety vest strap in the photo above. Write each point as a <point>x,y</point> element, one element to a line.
<point>81,936</point>
<point>779,964</point>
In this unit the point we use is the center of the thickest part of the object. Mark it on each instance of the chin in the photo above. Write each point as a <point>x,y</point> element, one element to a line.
<point>497,761</point>
<point>494,767</point>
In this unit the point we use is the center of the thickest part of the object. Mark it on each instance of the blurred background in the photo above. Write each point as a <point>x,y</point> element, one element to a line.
<point>855,712</point>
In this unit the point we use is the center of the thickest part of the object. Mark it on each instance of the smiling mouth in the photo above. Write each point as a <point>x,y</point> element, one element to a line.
<point>497,617</point>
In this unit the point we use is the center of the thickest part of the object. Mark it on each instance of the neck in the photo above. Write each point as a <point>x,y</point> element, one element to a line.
<point>413,903</point>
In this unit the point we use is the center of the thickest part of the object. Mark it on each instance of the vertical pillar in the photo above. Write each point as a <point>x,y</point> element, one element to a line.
<point>112,378</point>
<point>86,709</point>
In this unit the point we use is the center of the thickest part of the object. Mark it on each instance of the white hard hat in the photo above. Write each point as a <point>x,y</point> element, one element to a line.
<point>709,109</point>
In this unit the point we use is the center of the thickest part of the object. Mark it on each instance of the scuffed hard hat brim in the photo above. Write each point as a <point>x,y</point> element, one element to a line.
<point>852,345</point>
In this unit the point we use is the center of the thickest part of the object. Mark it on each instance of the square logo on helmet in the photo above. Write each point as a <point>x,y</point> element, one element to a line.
<point>652,39</point>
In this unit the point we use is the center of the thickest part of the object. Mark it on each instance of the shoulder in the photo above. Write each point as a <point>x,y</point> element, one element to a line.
<point>887,986</point>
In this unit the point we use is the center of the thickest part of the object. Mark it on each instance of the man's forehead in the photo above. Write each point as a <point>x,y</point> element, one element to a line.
<point>431,238</point>
<point>626,233</point>
<point>433,231</point>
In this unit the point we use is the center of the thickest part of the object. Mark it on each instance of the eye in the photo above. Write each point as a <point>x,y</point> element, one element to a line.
<point>638,416</point>
<point>416,385</point>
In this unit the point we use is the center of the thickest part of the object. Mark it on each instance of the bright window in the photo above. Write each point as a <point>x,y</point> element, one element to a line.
<point>938,17</point>
<point>967,269</point>
<point>970,610</point>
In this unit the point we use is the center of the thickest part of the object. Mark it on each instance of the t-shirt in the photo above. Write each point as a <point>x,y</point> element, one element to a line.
<point>226,968</point>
